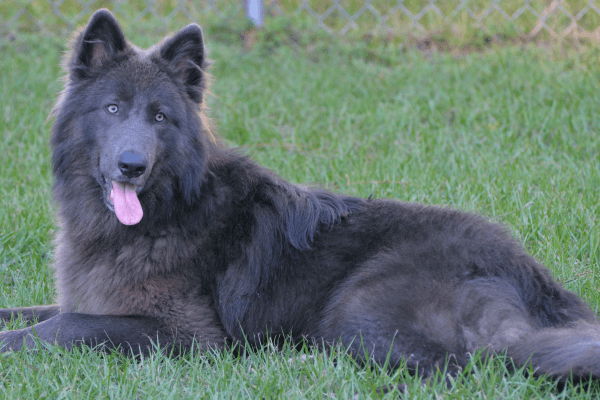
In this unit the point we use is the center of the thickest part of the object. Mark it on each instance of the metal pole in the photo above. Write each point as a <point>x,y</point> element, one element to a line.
<point>254,11</point>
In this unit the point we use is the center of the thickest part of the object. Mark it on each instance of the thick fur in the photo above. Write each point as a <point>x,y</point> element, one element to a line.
<point>227,251</point>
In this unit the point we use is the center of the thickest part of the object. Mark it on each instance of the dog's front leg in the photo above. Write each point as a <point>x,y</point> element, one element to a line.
<point>30,314</point>
<point>128,334</point>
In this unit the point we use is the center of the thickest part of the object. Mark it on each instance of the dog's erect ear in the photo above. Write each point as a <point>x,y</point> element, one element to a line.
<point>184,52</point>
<point>101,39</point>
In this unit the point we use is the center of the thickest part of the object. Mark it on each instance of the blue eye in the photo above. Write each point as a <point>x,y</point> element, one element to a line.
<point>159,117</point>
<point>112,108</point>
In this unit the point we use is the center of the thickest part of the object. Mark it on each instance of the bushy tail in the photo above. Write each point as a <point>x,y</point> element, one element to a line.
<point>561,352</point>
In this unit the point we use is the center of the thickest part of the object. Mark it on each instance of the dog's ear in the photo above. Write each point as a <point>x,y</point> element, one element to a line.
<point>184,52</point>
<point>101,39</point>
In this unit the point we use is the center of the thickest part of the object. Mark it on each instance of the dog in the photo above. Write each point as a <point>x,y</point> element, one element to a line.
<point>168,238</point>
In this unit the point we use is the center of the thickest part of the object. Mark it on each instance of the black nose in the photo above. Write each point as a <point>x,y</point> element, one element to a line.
<point>132,165</point>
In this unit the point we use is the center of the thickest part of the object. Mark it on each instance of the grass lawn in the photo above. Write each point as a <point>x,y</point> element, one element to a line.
<point>511,133</point>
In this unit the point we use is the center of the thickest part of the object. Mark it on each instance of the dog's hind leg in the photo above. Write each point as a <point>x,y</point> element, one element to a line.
<point>128,334</point>
<point>30,314</point>
<point>492,315</point>
<point>385,319</point>
<point>435,325</point>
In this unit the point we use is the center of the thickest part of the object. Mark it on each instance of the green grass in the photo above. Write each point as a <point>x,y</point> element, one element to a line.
<point>449,21</point>
<point>510,133</point>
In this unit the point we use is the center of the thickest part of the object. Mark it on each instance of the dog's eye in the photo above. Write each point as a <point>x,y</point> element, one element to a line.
<point>159,117</point>
<point>112,108</point>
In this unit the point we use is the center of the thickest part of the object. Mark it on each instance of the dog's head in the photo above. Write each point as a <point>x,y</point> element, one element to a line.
<point>131,119</point>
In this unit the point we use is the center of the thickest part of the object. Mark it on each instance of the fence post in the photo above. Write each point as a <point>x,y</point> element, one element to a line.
<point>254,11</point>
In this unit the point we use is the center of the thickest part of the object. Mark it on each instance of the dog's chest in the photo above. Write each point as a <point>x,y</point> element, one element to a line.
<point>148,276</point>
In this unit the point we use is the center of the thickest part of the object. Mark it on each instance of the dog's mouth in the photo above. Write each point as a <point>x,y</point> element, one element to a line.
<point>122,199</point>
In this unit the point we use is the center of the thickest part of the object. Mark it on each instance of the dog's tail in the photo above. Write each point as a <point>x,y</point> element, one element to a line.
<point>562,353</point>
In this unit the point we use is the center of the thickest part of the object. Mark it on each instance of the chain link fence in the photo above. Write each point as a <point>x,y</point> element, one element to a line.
<point>529,18</point>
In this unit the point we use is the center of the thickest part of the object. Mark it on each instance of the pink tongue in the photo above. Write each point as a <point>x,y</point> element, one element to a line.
<point>127,206</point>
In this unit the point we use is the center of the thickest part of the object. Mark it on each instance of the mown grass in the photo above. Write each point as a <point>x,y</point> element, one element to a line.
<point>510,133</point>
